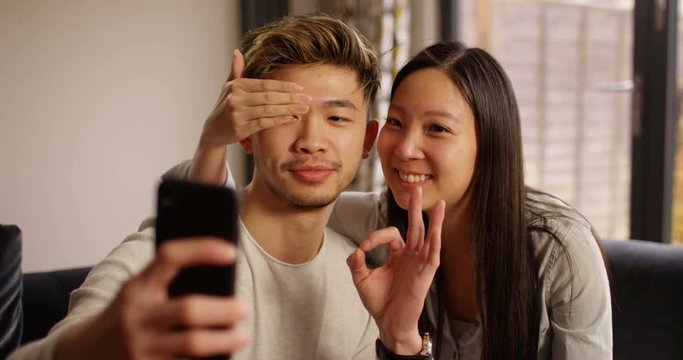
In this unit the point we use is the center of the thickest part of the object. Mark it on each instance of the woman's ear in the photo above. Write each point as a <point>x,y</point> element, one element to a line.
<point>371,129</point>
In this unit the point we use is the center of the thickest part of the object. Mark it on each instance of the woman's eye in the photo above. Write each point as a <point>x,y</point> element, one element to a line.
<point>438,128</point>
<point>337,119</point>
<point>393,122</point>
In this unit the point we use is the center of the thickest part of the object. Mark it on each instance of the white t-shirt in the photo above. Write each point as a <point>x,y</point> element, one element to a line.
<point>304,311</point>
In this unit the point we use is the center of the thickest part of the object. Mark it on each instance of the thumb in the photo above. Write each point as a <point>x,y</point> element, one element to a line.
<point>356,263</point>
<point>237,65</point>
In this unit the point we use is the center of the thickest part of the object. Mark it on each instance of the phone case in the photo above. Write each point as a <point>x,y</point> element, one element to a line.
<point>186,209</point>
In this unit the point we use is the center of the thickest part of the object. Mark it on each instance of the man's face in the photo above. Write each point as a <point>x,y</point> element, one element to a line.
<point>307,163</point>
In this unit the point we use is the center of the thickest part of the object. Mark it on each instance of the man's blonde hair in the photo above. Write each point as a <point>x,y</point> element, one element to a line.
<point>311,39</point>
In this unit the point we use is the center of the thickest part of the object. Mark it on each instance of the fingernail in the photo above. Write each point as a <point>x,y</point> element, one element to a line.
<point>305,98</point>
<point>242,336</point>
<point>230,251</point>
<point>244,308</point>
<point>297,87</point>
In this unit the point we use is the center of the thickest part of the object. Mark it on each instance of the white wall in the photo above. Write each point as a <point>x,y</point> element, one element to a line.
<point>97,99</point>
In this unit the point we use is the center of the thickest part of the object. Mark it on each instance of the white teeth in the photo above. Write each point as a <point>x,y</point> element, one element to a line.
<point>413,178</point>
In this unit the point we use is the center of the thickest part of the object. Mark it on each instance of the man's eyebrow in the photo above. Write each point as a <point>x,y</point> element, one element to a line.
<point>340,103</point>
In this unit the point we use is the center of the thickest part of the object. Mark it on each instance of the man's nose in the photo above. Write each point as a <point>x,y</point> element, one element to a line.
<point>312,134</point>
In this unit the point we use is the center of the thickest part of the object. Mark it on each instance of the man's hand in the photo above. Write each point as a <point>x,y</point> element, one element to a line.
<point>144,323</point>
<point>394,294</point>
<point>244,107</point>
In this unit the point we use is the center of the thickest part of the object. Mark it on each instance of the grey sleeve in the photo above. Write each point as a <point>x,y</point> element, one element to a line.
<point>356,214</point>
<point>182,170</point>
<point>578,299</point>
<point>98,290</point>
<point>178,171</point>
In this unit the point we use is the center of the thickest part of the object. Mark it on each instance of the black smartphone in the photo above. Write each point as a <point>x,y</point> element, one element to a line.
<point>186,209</point>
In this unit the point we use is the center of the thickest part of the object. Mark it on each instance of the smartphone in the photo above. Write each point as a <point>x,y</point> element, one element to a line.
<point>188,209</point>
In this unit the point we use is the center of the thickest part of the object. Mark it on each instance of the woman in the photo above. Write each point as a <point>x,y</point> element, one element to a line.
<point>505,272</point>
<point>521,274</point>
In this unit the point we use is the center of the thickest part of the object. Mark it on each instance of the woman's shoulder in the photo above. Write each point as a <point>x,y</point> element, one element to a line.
<point>559,233</point>
<point>573,281</point>
<point>566,248</point>
<point>550,217</point>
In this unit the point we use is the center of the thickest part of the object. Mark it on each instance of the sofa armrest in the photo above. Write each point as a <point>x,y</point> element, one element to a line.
<point>646,280</point>
<point>46,299</point>
<point>10,289</point>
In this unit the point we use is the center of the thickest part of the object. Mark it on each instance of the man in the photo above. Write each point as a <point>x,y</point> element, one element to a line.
<point>314,76</point>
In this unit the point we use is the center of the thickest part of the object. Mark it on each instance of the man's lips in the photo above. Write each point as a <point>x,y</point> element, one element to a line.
<point>311,174</point>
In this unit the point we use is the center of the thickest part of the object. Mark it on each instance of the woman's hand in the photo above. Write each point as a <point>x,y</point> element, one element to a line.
<point>246,106</point>
<point>394,294</point>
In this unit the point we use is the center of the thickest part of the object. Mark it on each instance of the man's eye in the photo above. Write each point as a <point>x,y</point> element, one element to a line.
<point>337,119</point>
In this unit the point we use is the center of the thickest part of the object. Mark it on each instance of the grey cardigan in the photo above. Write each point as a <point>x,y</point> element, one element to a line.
<point>576,312</point>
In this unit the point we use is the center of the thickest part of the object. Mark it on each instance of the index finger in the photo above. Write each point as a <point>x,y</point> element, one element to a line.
<point>177,254</point>
<point>389,236</point>
<point>259,85</point>
<point>416,227</point>
<point>432,248</point>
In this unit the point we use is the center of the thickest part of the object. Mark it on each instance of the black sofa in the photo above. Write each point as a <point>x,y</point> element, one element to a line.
<point>11,311</point>
<point>46,299</point>
<point>30,304</point>
<point>647,299</point>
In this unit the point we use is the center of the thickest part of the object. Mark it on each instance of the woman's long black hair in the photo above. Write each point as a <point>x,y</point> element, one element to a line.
<point>506,279</point>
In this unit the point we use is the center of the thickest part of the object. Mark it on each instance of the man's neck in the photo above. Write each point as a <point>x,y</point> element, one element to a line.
<point>291,235</point>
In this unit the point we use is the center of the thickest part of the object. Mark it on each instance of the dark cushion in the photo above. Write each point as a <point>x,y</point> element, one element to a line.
<point>46,299</point>
<point>10,289</point>
<point>647,299</point>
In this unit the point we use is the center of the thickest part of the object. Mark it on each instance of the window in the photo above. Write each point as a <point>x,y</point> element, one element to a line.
<point>570,63</point>
<point>677,223</point>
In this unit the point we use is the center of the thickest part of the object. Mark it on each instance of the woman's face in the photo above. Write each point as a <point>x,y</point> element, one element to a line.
<point>429,140</point>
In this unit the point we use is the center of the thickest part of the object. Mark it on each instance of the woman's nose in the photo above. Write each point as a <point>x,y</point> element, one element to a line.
<point>409,146</point>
